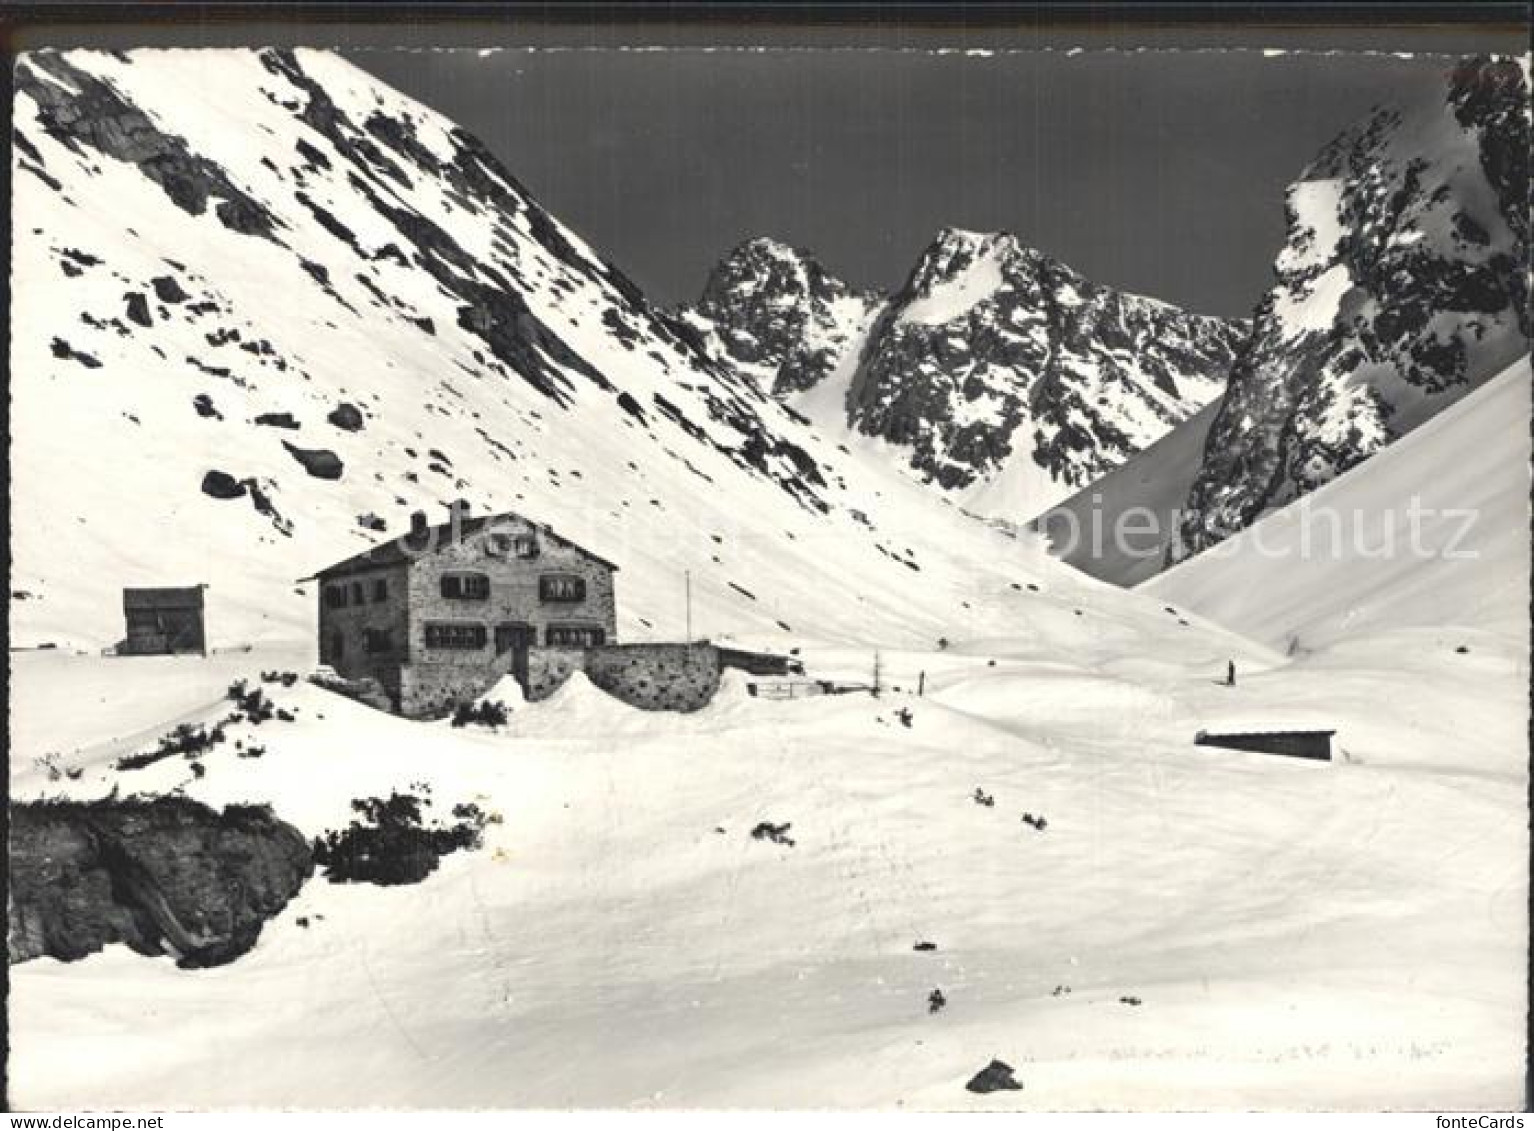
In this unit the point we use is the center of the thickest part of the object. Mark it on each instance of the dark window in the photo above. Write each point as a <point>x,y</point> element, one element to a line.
<point>335,596</point>
<point>376,640</point>
<point>561,587</point>
<point>516,545</point>
<point>335,647</point>
<point>466,637</point>
<point>380,589</point>
<point>574,635</point>
<point>357,597</point>
<point>466,587</point>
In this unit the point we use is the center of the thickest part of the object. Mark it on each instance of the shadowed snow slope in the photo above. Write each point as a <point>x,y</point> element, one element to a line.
<point>1156,479</point>
<point>1343,562</point>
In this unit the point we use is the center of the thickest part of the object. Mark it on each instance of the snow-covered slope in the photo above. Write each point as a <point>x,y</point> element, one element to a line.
<point>344,306</point>
<point>1433,532</point>
<point>996,374</point>
<point>1290,935</point>
<point>1402,286</point>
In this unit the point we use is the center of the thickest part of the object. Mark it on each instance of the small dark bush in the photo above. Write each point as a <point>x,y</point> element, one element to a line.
<point>925,946</point>
<point>981,797</point>
<point>188,739</point>
<point>254,706</point>
<point>935,1001</point>
<point>287,679</point>
<point>490,714</point>
<point>1037,822</point>
<point>778,834</point>
<point>391,844</point>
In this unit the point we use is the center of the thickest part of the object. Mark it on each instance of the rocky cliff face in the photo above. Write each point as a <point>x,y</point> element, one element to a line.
<point>775,313</point>
<point>1006,377</point>
<point>164,876</point>
<point>1402,285</point>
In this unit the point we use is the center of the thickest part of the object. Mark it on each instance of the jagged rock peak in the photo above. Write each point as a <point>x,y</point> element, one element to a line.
<point>771,270</point>
<point>775,313</point>
<point>1013,379</point>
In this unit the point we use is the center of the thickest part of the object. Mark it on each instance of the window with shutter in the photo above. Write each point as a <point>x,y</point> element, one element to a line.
<point>465,587</point>
<point>574,635</point>
<point>455,637</point>
<point>561,587</point>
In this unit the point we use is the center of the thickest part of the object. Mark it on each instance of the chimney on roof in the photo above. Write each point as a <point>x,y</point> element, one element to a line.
<point>418,524</point>
<point>457,518</point>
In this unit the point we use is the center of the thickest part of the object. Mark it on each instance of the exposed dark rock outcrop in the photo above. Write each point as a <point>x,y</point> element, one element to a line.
<point>167,290</point>
<point>322,463</point>
<point>66,352</point>
<point>277,420</point>
<point>994,1077</point>
<point>346,416</point>
<point>222,485</point>
<point>138,308</point>
<point>78,109</point>
<point>165,876</point>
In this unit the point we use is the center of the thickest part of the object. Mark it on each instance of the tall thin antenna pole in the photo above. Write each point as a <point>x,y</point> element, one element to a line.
<point>687,580</point>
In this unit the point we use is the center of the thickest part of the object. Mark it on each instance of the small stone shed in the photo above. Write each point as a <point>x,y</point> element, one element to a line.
<point>163,622</point>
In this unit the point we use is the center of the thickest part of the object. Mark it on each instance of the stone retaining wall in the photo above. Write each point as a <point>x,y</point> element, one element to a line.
<point>652,677</point>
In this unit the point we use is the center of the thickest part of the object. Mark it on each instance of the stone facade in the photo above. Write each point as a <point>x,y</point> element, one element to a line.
<point>438,616</point>
<point>364,625</point>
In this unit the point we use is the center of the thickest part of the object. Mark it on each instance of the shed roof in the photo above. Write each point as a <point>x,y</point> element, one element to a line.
<point>184,597</point>
<point>393,552</point>
<point>1258,733</point>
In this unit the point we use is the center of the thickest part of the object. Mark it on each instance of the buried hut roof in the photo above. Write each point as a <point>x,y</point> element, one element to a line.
<point>411,545</point>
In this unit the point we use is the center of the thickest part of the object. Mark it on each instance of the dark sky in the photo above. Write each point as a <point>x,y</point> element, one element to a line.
<point>1160,172</point>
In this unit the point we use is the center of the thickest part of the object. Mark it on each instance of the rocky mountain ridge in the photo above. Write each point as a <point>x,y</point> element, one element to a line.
<point>998,374</point>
